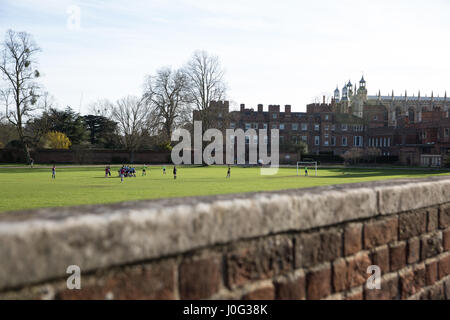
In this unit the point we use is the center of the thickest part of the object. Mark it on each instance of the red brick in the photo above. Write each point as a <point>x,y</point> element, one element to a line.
<point>431,272</point>
<point>409,284</point>
<point>199,279</point>
<point>290,288</point>
<point>412,224</point>
<point>152,282</point>
<point>413,254</point>
<point>318,247</point>
<point>446,239</point>
<point>318,283</point>
<point>357,269</point>
<point>388,291</point>
<point>380,232</point>
<point>444,266</point>
<point>447,289</point>
<point>265,293</point>
<point>431,246</point>
<point>380,257</point>
<point>397,255</point>
<point>340,282</point>
<point>432,219</point>
<point>262,259</point>
<point>352,239</point>
<point>444,216</point>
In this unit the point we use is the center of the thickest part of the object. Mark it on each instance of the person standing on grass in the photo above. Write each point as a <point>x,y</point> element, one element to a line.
<point>54,172</point>
<point>144,170</point>
<point>175,172</point>
<point>31,163</point>
<point>164,170</point>
<point>122,173</point>
<point>306,171</point>
<point>106,171</point>
<point>229,172</point>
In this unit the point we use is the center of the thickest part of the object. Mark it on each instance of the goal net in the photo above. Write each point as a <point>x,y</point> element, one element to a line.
<point>303,165</point>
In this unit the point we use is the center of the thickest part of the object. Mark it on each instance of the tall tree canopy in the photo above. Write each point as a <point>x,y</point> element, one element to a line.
<point>19,90</point>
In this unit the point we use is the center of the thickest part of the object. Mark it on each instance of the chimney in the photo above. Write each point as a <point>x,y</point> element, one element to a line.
<point>242,107</point>
<point>287,108</point>
<point>260,108</point>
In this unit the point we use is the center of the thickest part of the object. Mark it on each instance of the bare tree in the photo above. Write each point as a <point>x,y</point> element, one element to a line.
<point>168,96</point>
<point>101,107</point>
<point>19,90</point>
<point>131,114</point>
<point>206,84</point>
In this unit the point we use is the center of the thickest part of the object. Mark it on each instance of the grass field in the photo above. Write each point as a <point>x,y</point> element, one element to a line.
<point>25,188</point>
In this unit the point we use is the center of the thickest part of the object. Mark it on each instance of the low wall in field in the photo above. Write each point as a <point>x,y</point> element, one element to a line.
<point>297,244</point>
<point>86,156</point>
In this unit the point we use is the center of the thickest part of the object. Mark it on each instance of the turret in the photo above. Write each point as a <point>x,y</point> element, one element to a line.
<point>337,95</point>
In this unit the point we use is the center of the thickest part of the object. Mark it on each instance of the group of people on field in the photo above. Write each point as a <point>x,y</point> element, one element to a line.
<point>127,171</point>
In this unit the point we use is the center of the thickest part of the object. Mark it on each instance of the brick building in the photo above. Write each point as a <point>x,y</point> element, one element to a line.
<point>414,128</point>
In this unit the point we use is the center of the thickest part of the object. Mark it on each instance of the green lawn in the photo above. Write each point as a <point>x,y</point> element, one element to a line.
<point>25,188</point>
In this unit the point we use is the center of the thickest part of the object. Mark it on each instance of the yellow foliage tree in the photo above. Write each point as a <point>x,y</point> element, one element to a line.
<point>58,140</point>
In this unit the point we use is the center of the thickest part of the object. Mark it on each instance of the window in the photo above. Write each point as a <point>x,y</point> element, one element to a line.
<point>281,126</point>
<point>384,142</point>
<point>274,126</point>
<point>343,127</point>
<point>326,128</point>
<point>333,127</point>
<point>248,126</point>
<point>326,136</point>
<point>326,117</point>
<point>232,125</point>
<point>304,126</point>
<point>274,115</point>
<point>325,142</point>
<point>344,141</point>
<point>316,127</point>
<point>220,115</point>
<point>357,141</point>
<point>446,132</point>
<point>295,139</point>
<point>304,138</point>
<point>316,140</point>
<point>294,126</point>
<point>265,125</point>
<point>333,141</point>
<point>375,118</point>
<point>255,126</point>
<point>389,142</point>
<point>247,139</point>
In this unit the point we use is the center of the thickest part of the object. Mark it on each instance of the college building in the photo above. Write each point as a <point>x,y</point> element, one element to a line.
<point>413,129</point>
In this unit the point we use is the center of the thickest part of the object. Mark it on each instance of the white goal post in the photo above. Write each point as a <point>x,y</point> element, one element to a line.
<point>305,164</point>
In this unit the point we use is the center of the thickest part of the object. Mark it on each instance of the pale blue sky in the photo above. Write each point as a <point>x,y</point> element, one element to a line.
<point>274,52</point>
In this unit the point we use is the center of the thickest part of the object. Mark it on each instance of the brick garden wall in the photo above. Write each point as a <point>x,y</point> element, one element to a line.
<point>87,156</point>
<point>297,244</point>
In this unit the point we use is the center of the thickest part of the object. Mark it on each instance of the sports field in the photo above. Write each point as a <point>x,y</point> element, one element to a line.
<point>26,188</point>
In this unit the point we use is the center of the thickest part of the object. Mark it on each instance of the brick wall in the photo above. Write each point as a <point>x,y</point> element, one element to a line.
<point>88,156</point>
<point>297,244</point>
